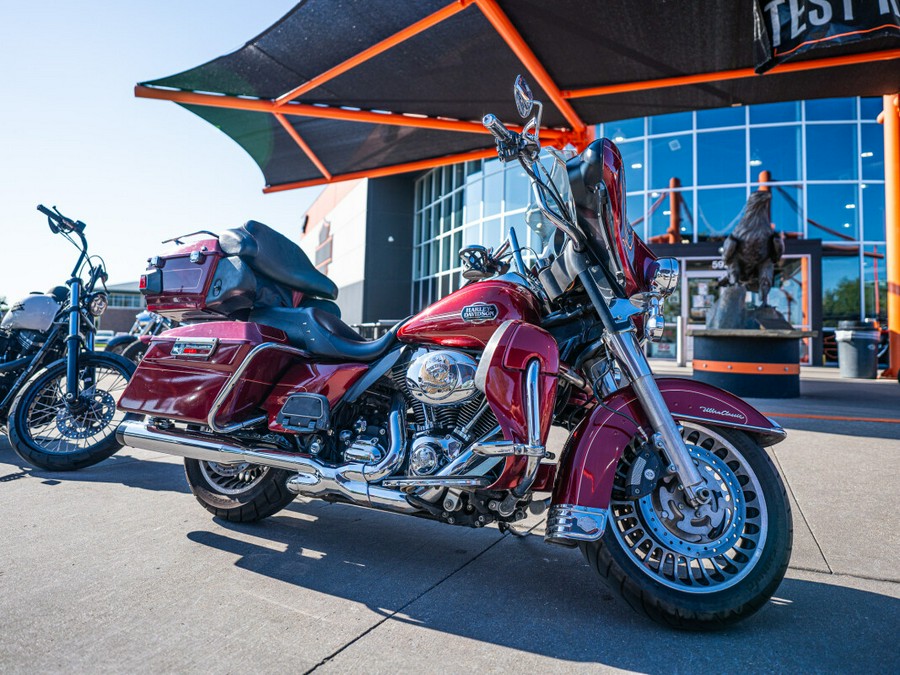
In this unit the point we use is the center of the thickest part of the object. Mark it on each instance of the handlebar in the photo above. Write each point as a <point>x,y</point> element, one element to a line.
<point>59,222</point>
<point>499,130</point>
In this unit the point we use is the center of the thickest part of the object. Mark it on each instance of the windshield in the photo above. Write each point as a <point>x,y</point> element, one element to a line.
<point>554,173</point>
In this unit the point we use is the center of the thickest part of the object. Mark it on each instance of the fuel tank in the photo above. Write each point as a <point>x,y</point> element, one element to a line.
<point>467,318</point>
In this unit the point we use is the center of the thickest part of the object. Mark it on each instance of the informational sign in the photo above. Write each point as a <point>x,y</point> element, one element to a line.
<point>782,29</point>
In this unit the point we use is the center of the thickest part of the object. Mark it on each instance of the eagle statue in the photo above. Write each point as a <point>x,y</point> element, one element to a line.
<point>753,248</point>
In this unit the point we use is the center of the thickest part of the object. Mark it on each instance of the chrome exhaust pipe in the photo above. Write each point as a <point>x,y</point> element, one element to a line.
<point>314,479</point>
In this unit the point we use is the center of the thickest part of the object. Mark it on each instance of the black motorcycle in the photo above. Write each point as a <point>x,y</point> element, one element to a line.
<point>57,395</point>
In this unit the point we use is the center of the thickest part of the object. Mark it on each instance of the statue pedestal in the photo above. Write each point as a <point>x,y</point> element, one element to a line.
<point>750,362</point>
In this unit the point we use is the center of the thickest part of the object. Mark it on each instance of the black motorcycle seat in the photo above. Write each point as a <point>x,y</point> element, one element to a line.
<point>322,334</point>
<point>273,255</point>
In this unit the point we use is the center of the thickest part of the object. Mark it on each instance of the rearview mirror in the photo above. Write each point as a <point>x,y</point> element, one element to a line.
<point>524,97</point>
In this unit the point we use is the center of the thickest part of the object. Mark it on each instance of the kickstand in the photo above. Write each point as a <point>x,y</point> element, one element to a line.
<point>506,527</point>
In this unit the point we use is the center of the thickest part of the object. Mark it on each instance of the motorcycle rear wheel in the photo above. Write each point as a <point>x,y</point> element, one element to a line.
<point>705,568</point>
<point>243,493</point>
<point>135,351</point>
<point>44,432</point>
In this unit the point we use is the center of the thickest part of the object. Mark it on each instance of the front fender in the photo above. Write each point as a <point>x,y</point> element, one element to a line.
<point>588,465</point>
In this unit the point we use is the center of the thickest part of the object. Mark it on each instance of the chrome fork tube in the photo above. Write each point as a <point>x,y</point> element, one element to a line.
<point>626,349</point>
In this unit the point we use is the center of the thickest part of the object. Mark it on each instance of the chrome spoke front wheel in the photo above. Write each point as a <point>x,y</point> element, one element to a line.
<point>700,549</point>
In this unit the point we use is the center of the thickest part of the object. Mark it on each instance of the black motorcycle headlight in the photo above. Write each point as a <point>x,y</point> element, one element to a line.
<point>98,303</point>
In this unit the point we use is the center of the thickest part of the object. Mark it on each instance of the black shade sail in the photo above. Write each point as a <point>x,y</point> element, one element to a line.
<point>340,89</point>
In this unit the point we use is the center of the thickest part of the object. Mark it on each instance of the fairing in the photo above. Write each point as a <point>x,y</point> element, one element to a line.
<point>588,465</point>
<point>501,376</point>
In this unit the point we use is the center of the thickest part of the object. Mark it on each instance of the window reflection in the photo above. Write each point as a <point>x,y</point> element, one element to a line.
<point>624,129</point>
<point>776,150</point>
<point>873,211</point>
<point>720,117</point>
<point>831,109</point>
<point>787,208</point>
<point>633,160</point>
<point>871,151</point>
<point>671,156</point>
<point>664,124</point>
<point>875,276</point>
<point>831,152</point>
<point>840,286</point>
<point>718,211</point>
<point>721,157</point>
<point>832,212</point>
<point>775,112</point>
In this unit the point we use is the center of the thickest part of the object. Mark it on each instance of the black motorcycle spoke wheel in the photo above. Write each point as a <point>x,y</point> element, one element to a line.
<point>703,567</point>
<point>47,432</point>
<point>241,493</point>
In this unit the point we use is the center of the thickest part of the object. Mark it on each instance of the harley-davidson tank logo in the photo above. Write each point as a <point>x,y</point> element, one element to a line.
<point>479,312</point>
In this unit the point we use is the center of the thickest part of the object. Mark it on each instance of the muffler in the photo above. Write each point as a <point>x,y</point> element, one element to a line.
<point>314,479</point>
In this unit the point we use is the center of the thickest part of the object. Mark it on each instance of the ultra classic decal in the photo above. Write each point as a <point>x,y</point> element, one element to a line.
<point>479,312</point>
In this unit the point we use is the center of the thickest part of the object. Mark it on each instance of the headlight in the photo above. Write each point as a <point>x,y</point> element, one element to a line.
<point>663,275</point>
<point>98,303</point>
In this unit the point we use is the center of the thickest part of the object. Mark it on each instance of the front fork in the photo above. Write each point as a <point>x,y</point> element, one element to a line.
<point>616,313</point>
<point>627,351</point>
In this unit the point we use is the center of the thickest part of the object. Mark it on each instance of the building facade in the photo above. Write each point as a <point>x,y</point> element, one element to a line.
<point>688,176</point>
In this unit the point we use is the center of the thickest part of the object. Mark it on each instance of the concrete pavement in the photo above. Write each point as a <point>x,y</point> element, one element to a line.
<point>117,569</point>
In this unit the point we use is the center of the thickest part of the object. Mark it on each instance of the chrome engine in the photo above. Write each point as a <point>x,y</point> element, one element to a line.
<point>442,378</point>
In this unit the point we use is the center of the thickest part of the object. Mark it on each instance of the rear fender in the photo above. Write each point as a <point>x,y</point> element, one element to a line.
<point>588,466</point>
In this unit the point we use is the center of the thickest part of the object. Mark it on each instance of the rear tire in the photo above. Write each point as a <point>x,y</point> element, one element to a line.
<point>693,569</point>
<point>244,493</point>
<point>43,432</point>
<point>135,352</point>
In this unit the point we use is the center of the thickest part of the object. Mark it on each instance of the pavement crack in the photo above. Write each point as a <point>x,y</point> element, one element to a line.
<point>800,510</point>
<point>413,600</point>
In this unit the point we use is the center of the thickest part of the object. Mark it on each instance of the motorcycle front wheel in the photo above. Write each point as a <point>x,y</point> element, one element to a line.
<point>706,567</point>
<point>46,432</point>
<point>240,493</point>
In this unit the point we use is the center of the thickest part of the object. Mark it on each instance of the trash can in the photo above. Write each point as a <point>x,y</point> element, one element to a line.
<point>857,343</point>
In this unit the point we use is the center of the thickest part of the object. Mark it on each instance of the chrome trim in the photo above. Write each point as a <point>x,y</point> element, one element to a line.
<point>488,353</point>
<point>776,430</point>
<point>433,481</point>
<point>572,377</point>
<point>570,522</point>
<point>507,449</point>
<point>235,378</point>
<point>313,479</point>
<point>663,275</point>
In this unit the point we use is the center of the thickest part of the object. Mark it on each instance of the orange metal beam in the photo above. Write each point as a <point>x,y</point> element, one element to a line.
<point>298,139</point>
<point>891,114</point>
<point>431,20</point>
<point>723,75</point>
<point>325,112</point>
<point>387,170</point>
<point>511,36</point>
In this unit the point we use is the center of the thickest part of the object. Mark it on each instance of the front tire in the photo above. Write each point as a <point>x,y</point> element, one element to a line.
<point>703,568</point>
<point>44,432</point>
<point>240,493</point>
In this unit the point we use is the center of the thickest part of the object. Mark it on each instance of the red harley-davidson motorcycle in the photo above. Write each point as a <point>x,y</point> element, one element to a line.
<point>664,483</point>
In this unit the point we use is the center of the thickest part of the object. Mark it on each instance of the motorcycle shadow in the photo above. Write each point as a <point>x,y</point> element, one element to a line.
<point>120,469</point>
<point>527,595</point>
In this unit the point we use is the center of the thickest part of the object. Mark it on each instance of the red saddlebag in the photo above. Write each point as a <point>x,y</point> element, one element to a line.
<point>185,369</point>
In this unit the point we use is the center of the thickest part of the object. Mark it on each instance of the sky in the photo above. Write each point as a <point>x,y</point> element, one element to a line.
<point>136,171</point>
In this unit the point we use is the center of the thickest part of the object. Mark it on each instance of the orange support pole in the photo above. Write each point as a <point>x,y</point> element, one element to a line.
<point>329,113</point>
<point>891,117</point>
<point>674,230</point>
<point>298,139</point>
<point>725,75</point>
<point>510,35</point>
<point>387,170</point>
<point>373,51</point>
<point>765,177</point>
